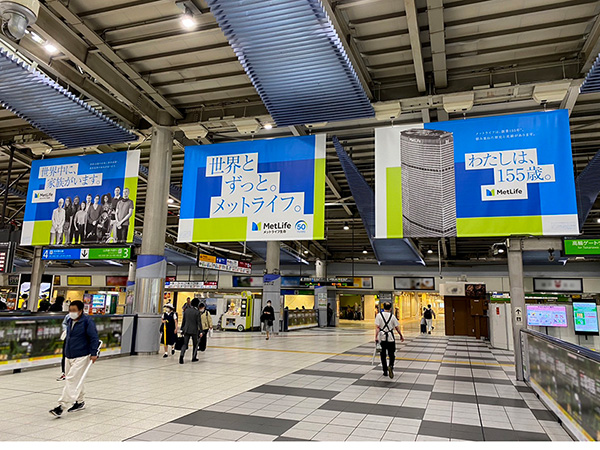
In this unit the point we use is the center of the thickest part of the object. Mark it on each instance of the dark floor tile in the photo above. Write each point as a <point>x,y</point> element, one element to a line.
<point>360,362</point>
<point>528,436</point>
<point>445,396</point>
<point>435,432</point>
<point>466,398</point>
<point>526,389</point>
<point>298,392</point>
<point>238,422</point>
<point>473,379</point>
<point>467,436</point>
<point>543,414</point>
<point>497,434</point>
<point>328,373</point>
<point>429,425</point>
<point>375,409</point>
<point>394,384</point>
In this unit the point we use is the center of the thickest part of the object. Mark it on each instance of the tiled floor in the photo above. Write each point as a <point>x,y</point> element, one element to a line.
<point>315,385</point>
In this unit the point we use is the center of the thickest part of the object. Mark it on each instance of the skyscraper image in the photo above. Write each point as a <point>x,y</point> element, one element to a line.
<point>428,183</point>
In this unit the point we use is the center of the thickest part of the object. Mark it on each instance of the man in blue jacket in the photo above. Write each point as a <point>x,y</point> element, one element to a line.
<point>81,346</point>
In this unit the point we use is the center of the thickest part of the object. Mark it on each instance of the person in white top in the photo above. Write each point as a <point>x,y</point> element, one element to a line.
<point>385,324</point>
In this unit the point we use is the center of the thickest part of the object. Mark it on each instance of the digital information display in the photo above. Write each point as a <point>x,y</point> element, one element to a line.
<point>6,256</point>
<point>71,254</point>
<point>546,316</point>
<point>585,316</point>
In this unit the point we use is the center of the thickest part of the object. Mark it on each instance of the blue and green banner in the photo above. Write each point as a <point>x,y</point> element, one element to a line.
<point>260,190</point>
<point>491,176</point>
<point>79,200</point>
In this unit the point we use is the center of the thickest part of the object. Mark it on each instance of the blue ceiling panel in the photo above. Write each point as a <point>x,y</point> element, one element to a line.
<point>592,79</point>
<point>34,97</point>
<point>294,58</point>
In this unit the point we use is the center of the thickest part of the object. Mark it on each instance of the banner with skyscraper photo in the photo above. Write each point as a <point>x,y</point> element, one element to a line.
<point>491,176</point>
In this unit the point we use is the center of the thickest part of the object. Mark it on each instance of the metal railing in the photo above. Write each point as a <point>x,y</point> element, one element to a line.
<point>566,378</point>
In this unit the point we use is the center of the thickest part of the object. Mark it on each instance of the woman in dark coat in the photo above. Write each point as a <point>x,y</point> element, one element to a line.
<point>168,329</point>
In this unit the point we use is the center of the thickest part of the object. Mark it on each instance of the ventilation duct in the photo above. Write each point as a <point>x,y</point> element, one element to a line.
<point>294,58</point>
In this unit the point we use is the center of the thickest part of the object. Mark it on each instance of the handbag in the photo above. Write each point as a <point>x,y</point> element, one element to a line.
<point>178,342</point>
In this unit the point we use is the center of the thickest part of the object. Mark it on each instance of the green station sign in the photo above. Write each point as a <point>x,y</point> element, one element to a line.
<point>581,247</point>
<point>109,253</point>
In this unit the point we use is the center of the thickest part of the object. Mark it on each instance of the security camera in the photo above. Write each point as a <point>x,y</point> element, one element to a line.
<point>550,254</point>
<point>17,15</point>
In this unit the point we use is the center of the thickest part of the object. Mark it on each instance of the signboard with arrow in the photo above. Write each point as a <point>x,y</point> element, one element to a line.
<point>75,254</point>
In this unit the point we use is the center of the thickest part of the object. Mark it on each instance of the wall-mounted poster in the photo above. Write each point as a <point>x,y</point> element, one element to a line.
<point>258,190</point>
<point>414,283</point>
<point>490,176</point>
<point>82,200</point>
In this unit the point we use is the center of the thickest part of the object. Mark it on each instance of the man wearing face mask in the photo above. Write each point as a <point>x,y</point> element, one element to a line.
<point>81,346</point>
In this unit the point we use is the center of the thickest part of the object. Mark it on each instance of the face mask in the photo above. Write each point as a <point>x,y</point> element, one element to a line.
<point>74,315</point>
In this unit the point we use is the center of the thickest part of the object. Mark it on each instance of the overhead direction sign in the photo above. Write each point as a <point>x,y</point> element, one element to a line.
<point>86,253</point>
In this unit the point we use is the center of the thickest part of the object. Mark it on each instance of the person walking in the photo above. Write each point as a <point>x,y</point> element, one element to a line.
<point>57,306</point>
<point>385,324</point>
<point>429,315</point>
<point>63,337</point>
<point>207,326</point>
<point>267,318</point>
<point>169,329</point>
<point>190,328</point>
<point>187,304</point>
<point>329,314</point>
<point>81,347</point>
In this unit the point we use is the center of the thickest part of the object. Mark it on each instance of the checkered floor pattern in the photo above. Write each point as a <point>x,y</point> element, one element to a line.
<point>445,388</point>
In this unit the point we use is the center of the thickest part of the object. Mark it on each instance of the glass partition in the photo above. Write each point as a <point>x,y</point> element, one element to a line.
<point>567,379</point>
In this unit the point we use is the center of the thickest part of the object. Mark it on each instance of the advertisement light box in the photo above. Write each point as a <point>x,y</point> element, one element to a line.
<point>585,317</point>
<point>547,316</point>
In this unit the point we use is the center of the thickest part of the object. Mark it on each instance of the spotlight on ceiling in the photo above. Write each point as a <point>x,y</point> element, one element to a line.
<point>50,49</point>
<point>498,248</point>
<point>365,250</point>
<point>170,201</point>
<point>190,12</point>
<point>188,22</point>
<point>267,126</point>
<point>346,227</point>
<point>429,251</point>
<point>306,252</point>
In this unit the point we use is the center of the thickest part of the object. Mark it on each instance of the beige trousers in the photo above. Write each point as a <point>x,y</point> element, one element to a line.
<point>74,370</point>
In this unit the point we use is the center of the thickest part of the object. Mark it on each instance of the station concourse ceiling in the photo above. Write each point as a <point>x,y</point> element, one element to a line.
<point>134,61</point>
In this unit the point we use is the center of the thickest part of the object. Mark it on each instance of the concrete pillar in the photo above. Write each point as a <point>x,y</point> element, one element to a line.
<point>319,269</point>
<point>37,270</point>
<point>517,299</point>
<point>321,294</point>
<point>273,255</point>
<point>151,264</point>
<point>272,283</point>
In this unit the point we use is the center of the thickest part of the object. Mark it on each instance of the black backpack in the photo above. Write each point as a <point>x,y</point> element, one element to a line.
<point>427,314</point>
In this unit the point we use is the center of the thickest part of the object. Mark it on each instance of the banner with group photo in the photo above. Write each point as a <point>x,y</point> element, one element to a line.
<point>82,200</point>
<point>490,176</point>
<point>260,190</point>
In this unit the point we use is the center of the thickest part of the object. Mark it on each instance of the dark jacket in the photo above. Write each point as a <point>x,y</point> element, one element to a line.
<point>268,314</point>
<point>82,338</point>
<point>191,321</point>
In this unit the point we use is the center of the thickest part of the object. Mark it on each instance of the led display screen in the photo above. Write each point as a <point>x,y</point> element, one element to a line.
<point>585,316</point>
<point>546,316</point>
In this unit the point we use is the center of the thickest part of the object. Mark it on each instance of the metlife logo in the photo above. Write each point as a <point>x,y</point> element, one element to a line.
<point>271,227</point>
<point>512,192</point>
<point>43,196</point>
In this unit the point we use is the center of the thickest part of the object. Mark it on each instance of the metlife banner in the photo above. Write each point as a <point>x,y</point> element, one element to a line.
<point>492,176</point>
<point>258,190</point>
<point>82,200</point>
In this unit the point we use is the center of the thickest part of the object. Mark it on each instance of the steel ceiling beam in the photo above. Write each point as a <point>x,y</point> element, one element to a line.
<point>335,188</point>
<point>415,43</point>
<point>155,38</point>
<point>591,47</point>
<point>437,39</point>
<point>120,7</point>
<point>118,78</point>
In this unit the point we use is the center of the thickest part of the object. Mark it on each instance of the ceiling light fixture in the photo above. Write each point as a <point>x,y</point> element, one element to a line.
<point>430,251</point>
<point>187,20</point>
<point>306,252</point>
<point>267,126</point>
<point>500,250</point>
<point>37,38</point>
<point>51,49</point>
<point>346,227</point>
<point>365,250</point>
<point>170,201</point>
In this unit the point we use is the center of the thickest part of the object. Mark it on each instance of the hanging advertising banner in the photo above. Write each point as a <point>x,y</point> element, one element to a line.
<point>82,200</point>
<point>263,190</point>
<point>490,176</point>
